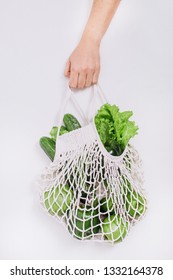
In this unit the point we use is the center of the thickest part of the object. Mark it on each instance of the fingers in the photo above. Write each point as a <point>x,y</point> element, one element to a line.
<point>67,69</point>
<point>95,77</point>
<point>82,67</point>
<point>89,79</point>
<point>77,80</point>
<point>80,79</point>
<point>73,82</point>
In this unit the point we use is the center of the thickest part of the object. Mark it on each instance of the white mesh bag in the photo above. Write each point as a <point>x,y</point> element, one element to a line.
<point>95,195</point>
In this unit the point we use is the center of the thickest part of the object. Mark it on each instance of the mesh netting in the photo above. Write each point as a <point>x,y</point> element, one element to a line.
<point>95,195</point>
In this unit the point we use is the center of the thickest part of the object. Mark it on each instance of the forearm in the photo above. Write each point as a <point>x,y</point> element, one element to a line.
<point>100,17</point>
<point>83,66</point>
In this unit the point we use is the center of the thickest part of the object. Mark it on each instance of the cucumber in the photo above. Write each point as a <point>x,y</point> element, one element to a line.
<point>63,130</point>
<point>54,131</point>
<point>71,122</point>
<point>48,146</point>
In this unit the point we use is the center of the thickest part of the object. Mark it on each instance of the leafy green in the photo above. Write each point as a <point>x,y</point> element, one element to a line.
<point>114,127</point>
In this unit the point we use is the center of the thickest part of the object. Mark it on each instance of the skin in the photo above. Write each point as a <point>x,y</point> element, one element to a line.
<point>83,65</point>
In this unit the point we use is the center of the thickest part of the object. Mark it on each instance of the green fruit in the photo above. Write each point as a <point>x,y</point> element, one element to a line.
<point>115,228</point>
<point>83,197</point>
<point>54,131</point>
<point>135,204</point>
<point>47,202</point>
<point>95,204</point>
<point>58,200</point>
<point>71,123</point>
<point>107,205</point>
<point>63,130</point>
<point>83,223</point>
<point>48,145</point>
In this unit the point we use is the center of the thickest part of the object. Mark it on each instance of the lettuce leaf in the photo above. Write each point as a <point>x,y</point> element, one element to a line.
<point>114,127</point>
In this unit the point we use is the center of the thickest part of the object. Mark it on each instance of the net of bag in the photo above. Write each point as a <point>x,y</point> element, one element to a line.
<point>96,193</point>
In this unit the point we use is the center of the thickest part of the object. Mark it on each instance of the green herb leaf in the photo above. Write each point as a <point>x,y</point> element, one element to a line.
<point>114,127</point>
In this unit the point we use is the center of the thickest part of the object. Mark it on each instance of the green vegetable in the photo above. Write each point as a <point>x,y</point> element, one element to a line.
<point>83,197</point>
<point>48,202</point>
<point>110,150</point>
<point>114,128</point>
<point>48,145</point>
<point>58,199</point>
<point>84,222</point>
<point>63,130</point>
<point>115,228</point>
<point>107,205</point>
<point>71,122</point>
<point>135,204</point>
<point>54,131</point>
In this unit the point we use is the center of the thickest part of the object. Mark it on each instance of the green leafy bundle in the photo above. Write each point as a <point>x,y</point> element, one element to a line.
<point>114,128</point>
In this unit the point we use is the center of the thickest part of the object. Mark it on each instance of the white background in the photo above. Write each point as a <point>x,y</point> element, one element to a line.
<point>36,38</point>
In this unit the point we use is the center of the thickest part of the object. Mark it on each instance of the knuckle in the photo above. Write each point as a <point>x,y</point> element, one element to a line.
<point>74,70</point>
<point>87,69</point>
<point>84,69</point>
<point>91,69</point>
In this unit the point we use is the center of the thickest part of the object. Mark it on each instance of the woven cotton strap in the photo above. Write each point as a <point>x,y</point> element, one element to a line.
<point>97,92</point>
<point>69,95</point>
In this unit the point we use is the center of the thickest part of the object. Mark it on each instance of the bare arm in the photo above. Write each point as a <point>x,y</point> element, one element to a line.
<point>83,66</point>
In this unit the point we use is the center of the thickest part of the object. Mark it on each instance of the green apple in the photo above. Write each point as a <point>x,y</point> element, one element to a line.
<point>107,205</point>
<point>115,228</point>
<point>135,204</point>
<point>58,199</point>
<point>84,222</point>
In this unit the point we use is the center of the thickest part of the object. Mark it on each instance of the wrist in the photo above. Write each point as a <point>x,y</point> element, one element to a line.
<point>90,39</point>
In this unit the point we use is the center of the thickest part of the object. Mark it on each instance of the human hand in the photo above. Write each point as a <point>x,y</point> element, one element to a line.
<point>83,66</point>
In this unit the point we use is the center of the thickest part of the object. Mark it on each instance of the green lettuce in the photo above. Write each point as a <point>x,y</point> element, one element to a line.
<point>114,128</point>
